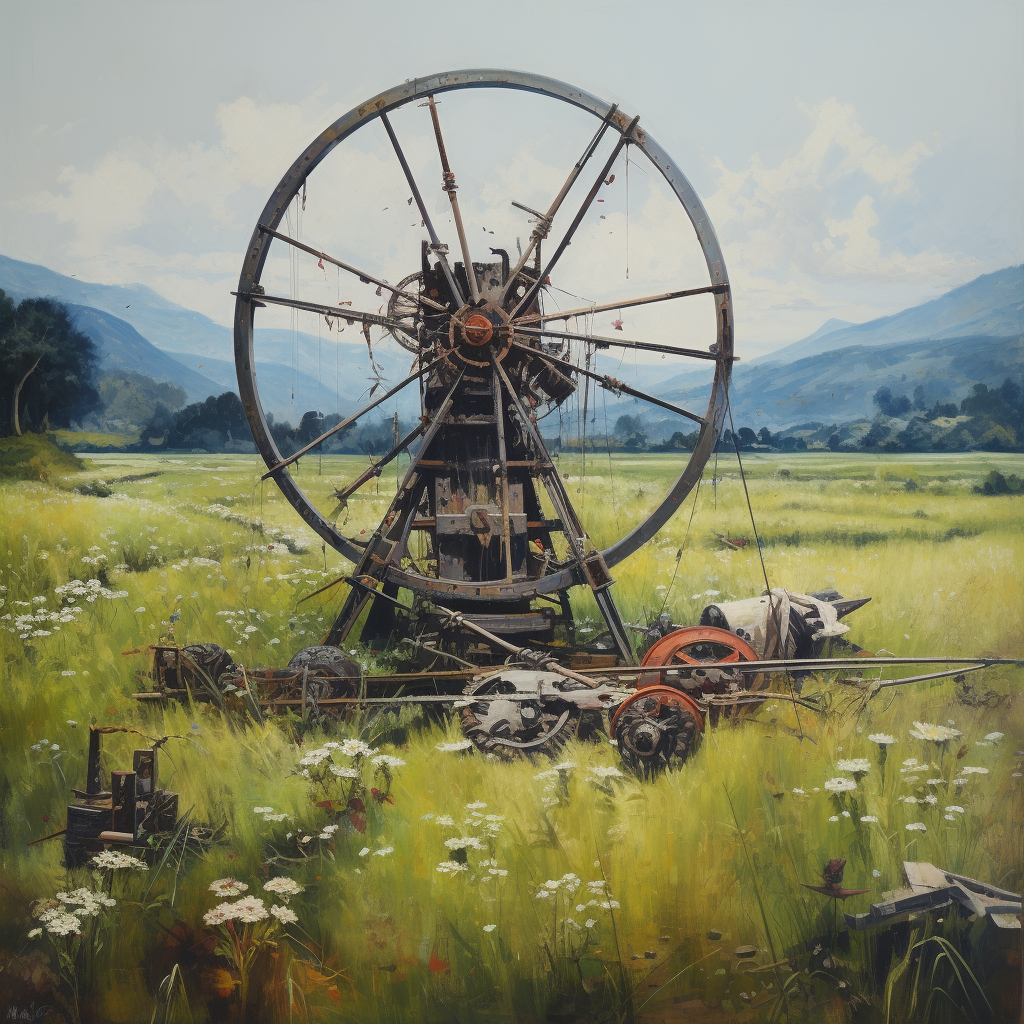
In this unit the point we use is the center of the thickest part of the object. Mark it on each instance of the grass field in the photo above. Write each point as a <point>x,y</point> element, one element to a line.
<point>602,891</point>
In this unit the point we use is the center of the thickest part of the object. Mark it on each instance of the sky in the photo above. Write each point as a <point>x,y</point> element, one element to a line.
<point>855,159</point>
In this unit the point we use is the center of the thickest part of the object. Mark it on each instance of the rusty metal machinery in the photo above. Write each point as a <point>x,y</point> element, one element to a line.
<point>482,523</point>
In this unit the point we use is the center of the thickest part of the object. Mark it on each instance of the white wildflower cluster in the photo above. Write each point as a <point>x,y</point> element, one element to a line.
<point>568,883</point>
<point>89,589</point>
<point>112,860</point>
<point>199,563</point>
<point>464,843</point>
<point>882,739</point>
<point>389,760</point>
<point>44,744</point>
<point>268,814</point>
<point>490,823</point>
<point>493,870</point>
<point>251,909</point>
<point>451,867</point>
<point>284,887</point>
<point>917,826</point>
<point>855,766</point>
<point>227,887</point>
<point>934,733</point>
<point>63,915</point>
<point>320,759</point>
<point>247,910</point>
<point>555,770</point>
<point>328,832</point>
<point>595,889</point>
<point>840,785</point>
<point>606,771</point>
<point>32,623</point>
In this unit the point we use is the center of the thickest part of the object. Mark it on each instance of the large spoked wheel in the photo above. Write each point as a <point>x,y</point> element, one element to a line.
<point>487,332</point>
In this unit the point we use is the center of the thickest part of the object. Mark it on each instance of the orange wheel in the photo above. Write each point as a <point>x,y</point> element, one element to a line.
<point>698,645</point>
<point>656,729</point>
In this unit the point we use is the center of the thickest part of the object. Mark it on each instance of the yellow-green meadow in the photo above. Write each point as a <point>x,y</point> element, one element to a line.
<point>483,891</point>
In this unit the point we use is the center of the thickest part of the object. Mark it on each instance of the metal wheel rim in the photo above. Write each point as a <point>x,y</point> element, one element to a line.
<point>290,186</point>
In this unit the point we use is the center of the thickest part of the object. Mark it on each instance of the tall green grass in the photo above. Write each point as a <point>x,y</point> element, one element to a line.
<point>720,847</point>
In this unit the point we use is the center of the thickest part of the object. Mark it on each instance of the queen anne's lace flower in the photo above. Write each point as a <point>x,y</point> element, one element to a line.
<point>284,914</point>
<point>228,887</point>
<point>284,886</point>
<point>857,764</point>
<point>840,785</point>
<point>249,910</point>
<point>607,771</point>
<point>464,843</point>
<point>451,867</point>
<point>112,860</point>
<point>356,748</point>
<point>344,773</point>
<point>917,826</point>
<point>934,733</point>
<point>882,739</point>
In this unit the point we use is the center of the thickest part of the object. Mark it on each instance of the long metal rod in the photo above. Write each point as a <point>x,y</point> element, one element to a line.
<point>337,312</point>
<point>610,383</point>
<point>439,248</point>
<point>568,314</point>
<point>351,419</point>
<point>600,342</point>
<point>577,220</point>
<point>544,220</point>
<point>378,467</point>
<point>361,274</point>
<point>449,186</point>
<point>573,530</point>
<point>506,519</point>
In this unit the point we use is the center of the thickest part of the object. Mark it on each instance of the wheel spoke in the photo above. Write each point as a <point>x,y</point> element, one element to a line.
<point>352,419</point>
<point>377,468</point>
<point>537,318</point>
<point>573,531</point>
<point>440,250</point>
<point>449,186</point>
<point>611,384</point>
<point>363,276</point>
<point>577,220</point>
<point>540,232</point>
<point>600,341</point>
<point>336,312</point>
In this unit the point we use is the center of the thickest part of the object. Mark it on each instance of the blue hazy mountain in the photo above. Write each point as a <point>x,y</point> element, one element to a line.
<point>989,306</point>
<point>136,328</point>
<point>121,347</point>
<point>971,334</point>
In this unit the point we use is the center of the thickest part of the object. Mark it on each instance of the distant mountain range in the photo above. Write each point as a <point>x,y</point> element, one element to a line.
<point>134,328</point>
<point>971,334</point>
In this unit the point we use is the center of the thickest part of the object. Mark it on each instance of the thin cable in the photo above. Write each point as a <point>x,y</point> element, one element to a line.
<point>679,555</point>
<point>760,554</point>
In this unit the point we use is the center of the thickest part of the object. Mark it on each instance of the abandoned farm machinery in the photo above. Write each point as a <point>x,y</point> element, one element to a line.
<point>472,563</point>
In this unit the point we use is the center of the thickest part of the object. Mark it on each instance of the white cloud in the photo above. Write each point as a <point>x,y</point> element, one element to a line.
<point>819,226</point>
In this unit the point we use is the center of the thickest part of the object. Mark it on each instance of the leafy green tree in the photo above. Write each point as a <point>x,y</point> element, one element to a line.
<point>131,398</point>
<point>48,366</point>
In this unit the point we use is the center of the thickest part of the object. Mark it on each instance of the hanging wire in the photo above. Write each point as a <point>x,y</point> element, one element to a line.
<point>627,212</point>
<point>773,611</point>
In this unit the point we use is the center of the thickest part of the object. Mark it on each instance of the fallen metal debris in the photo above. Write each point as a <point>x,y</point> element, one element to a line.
<point>931,889</point>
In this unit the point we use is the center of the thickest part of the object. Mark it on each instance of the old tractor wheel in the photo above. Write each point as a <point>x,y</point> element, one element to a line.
<point>657,729</point>
<point>517,726</point>
<point>330,672</point>
<point>702,645</point>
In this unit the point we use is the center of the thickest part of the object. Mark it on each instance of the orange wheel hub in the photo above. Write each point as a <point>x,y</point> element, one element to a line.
<point>657,728</point>
<point>478,330</point>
